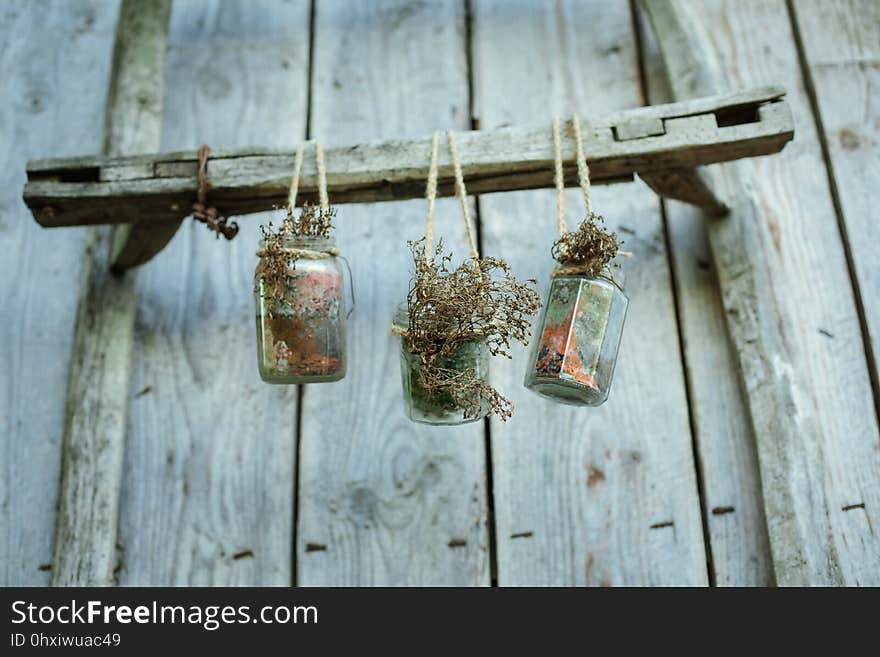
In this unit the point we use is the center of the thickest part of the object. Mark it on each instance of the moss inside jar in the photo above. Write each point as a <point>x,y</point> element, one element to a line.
<point>300,315</point>
<point>449,404</point>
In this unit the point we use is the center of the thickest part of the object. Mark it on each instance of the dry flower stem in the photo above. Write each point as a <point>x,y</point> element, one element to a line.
<point>448,308</point>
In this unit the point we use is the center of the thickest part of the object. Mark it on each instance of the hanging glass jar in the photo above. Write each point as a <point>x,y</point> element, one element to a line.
<point>301,315</point>
<point>455,320</point>
<point>440,407</point>
<point>579,333</point>
<point>299,292</point>
<point>578,337</point>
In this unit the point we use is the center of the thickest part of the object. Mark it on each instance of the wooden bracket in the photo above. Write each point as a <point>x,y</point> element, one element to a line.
<point>660,143</point>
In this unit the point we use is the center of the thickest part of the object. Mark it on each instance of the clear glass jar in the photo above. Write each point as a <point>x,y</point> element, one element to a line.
<point>301,336</point>
<point>578,337</point>
<point>440,408</point>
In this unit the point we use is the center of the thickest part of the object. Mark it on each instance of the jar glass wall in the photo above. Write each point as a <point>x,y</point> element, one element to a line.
<point>578,337</point>
<point>301,332</point>
<point>440,408</point>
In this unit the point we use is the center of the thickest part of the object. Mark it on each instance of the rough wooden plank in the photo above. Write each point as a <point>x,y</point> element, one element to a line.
<point>65,193</point>
<point>841,45</point>
<point>586,496</point>
<point>208,483</point>
<point>384,501</point>
<point>688,185</point>
<point>789,306</point>
<point>97,397</point>
<point>134,244</point>
<point>55,58</point>
<point>730,484</point>
<point>732,108</point>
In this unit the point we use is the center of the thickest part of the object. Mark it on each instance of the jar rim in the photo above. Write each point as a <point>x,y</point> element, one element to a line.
<point>605,277</point>
<point>299,240</point>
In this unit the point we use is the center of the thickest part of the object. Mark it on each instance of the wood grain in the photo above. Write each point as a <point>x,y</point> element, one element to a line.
<point>603,496</point>
<point>731,486</point>
<point>97,394</point>
<point>209,467</point>
<point>56,60</point>
<point>841,45</point>
<point>789,306</point>
<point>161,187</point>
<point>383,501</point>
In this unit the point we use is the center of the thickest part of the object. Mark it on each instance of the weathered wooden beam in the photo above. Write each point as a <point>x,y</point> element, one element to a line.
<point>157,188</point>
<point>94,432</point>
<point>688,185</point>
<point>803,477</point>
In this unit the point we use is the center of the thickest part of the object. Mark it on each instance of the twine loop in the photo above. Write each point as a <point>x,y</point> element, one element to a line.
<point>558,175</point>
<point>460,192</point>
<point>559,251</point>
<point>208,214</point>
<point>301,252</point>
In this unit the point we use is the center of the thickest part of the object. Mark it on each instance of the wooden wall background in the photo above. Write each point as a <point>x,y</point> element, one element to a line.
<point>230,481</point>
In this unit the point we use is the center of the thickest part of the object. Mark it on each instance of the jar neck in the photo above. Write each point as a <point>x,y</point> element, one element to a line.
<point>616,279</point>
<point>310,242</point>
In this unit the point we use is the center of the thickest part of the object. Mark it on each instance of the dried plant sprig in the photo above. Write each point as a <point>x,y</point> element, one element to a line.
<point>278,260</point>
<point>447,308</point>
<point>314,221</point>
<point>590,248</point>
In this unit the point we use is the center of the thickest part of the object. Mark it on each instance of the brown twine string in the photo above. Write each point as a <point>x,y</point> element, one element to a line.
<point>583,169</point>
<point>583,180</point>
<point>322,177</point>
<point>431,195</point>
<point>208,214</point>
<point>461,192</point>
<point>295,252</point>
<point>558,178</point>
<point>307,254</point>
<point>294,182</point>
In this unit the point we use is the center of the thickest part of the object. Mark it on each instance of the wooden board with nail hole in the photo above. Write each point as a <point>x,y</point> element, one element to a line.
<point>733,508</point>
<point>384,501</point>
<point>97,396</point>
<point>841,46</point>
<point>789,304</point>
<point>207,493</point>
<point>586,496</point>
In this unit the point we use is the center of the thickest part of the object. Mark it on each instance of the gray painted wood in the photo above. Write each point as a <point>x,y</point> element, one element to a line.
<point>586,496</point>
<point>158,188</point>
<point>841,43</point>
<point>97,395</point>
<point>731,487</point>
<point>209,465</point>
<point>383,501</point>
<point>56,59</point>
<point>789,306</point>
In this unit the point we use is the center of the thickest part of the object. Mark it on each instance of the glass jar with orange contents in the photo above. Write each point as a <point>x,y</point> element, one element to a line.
<point>301,312</point>
<point>577,340</point>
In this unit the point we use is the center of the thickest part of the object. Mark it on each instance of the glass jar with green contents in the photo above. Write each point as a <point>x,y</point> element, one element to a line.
<point>301,312</point>
<point>578,337</point>
<point>441,407</point>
